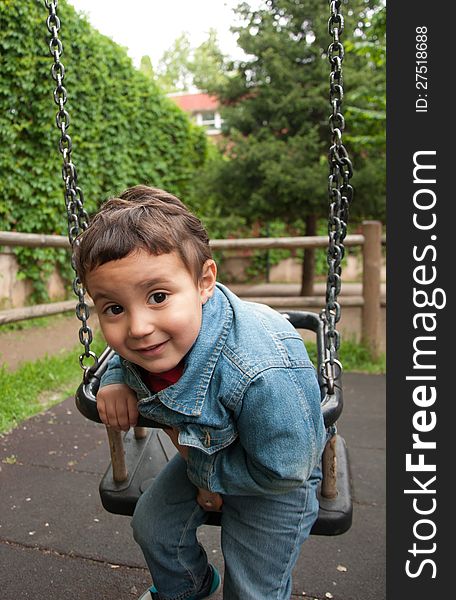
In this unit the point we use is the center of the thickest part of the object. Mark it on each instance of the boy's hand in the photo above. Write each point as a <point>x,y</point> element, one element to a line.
<point>207,500</point>
<point>210,501</point>
<point>117,406</point>
<point>173,433</point>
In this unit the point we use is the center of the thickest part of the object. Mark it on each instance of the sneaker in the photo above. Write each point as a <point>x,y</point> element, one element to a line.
<point>216,582</point>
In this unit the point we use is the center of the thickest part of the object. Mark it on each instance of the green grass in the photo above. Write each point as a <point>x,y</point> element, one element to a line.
<point>32,323</point>
<point>354,358</point>
<point>36,385</point>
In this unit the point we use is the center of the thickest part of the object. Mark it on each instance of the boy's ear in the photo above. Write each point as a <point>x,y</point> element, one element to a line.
<point>207,280</point>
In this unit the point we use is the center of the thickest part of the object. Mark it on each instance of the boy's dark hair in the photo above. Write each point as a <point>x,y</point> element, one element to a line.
<point>142,218</point>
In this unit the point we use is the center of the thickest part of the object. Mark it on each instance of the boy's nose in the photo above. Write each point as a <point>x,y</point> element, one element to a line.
<point>140,325</point>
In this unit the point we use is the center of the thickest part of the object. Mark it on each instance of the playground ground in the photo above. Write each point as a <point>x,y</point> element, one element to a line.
<point>56,540</point>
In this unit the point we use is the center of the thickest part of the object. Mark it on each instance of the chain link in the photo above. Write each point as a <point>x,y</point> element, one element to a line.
<point>78,219</point>
<point>340,196</point>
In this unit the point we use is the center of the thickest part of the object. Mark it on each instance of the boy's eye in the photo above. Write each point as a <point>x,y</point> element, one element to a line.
<point>115,309</point>
<point>157,298</point>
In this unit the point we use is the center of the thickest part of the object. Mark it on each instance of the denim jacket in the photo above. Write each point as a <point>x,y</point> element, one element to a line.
<point>247,404</point>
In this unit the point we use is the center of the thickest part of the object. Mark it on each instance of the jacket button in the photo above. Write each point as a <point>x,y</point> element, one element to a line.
<point>207,439</point>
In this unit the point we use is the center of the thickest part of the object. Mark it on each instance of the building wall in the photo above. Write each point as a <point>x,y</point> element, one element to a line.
<point>15,292</point>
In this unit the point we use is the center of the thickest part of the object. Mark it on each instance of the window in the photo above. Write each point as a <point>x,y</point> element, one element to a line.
<point>210,120</point>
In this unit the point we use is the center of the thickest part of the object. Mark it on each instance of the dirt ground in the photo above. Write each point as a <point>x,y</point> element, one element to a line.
<point>36,342</point>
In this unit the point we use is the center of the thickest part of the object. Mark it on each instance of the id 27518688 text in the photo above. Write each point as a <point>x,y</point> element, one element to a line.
<point>421,68</point>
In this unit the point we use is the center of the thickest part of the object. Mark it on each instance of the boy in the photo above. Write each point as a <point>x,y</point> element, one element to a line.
<point>231,383</point>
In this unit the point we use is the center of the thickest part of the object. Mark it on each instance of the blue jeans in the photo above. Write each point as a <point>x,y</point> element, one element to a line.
<point>261,537</point>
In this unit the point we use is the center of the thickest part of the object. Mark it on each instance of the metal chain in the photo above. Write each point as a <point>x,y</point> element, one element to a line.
<point>78,219</point>
<point>340,197</point>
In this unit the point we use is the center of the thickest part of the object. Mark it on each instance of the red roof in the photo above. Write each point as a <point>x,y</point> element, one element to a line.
<point>195,102</point>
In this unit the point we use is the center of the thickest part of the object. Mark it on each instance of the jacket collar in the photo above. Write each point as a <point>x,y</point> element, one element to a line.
<point>187,395</point>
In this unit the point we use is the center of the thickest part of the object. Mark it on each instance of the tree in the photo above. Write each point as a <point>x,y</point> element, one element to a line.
<point>146,67</point>
<point>208,64</point>
<point>276,112</point>
<point>182,67</point>
<point>366,114</point>
<point>173,73</point>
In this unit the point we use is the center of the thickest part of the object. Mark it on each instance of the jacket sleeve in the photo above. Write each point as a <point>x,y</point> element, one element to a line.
<point>113,373</point>
<point>281,438</point>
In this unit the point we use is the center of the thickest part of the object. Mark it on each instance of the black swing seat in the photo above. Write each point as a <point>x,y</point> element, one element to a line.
<point>146,457</point>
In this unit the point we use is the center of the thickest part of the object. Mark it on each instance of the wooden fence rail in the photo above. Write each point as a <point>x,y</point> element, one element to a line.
<point>370,240</point>
<point>35,240</point>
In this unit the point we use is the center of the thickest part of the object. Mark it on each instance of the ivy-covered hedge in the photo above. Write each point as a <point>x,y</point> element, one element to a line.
<point>124,130</point>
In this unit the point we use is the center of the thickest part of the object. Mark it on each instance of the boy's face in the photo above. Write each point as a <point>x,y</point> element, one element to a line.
<point>150,307</point>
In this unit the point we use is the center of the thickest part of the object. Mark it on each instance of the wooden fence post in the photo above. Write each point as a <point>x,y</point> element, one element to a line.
<point>372,257</point>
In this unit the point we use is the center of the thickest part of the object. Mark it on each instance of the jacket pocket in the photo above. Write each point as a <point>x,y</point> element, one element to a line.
<point>205,438</point>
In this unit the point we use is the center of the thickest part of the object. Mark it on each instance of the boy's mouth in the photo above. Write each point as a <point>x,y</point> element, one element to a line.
<point>153,349</point>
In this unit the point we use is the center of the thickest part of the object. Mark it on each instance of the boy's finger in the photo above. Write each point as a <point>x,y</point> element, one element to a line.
<point>122,414</point>
<point>102,410</point>
<point>211,504</point>
<point>132,411</point>
<point>111,416</point>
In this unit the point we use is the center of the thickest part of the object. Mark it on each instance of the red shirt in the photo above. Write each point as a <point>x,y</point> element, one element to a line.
<point>159,381</point>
